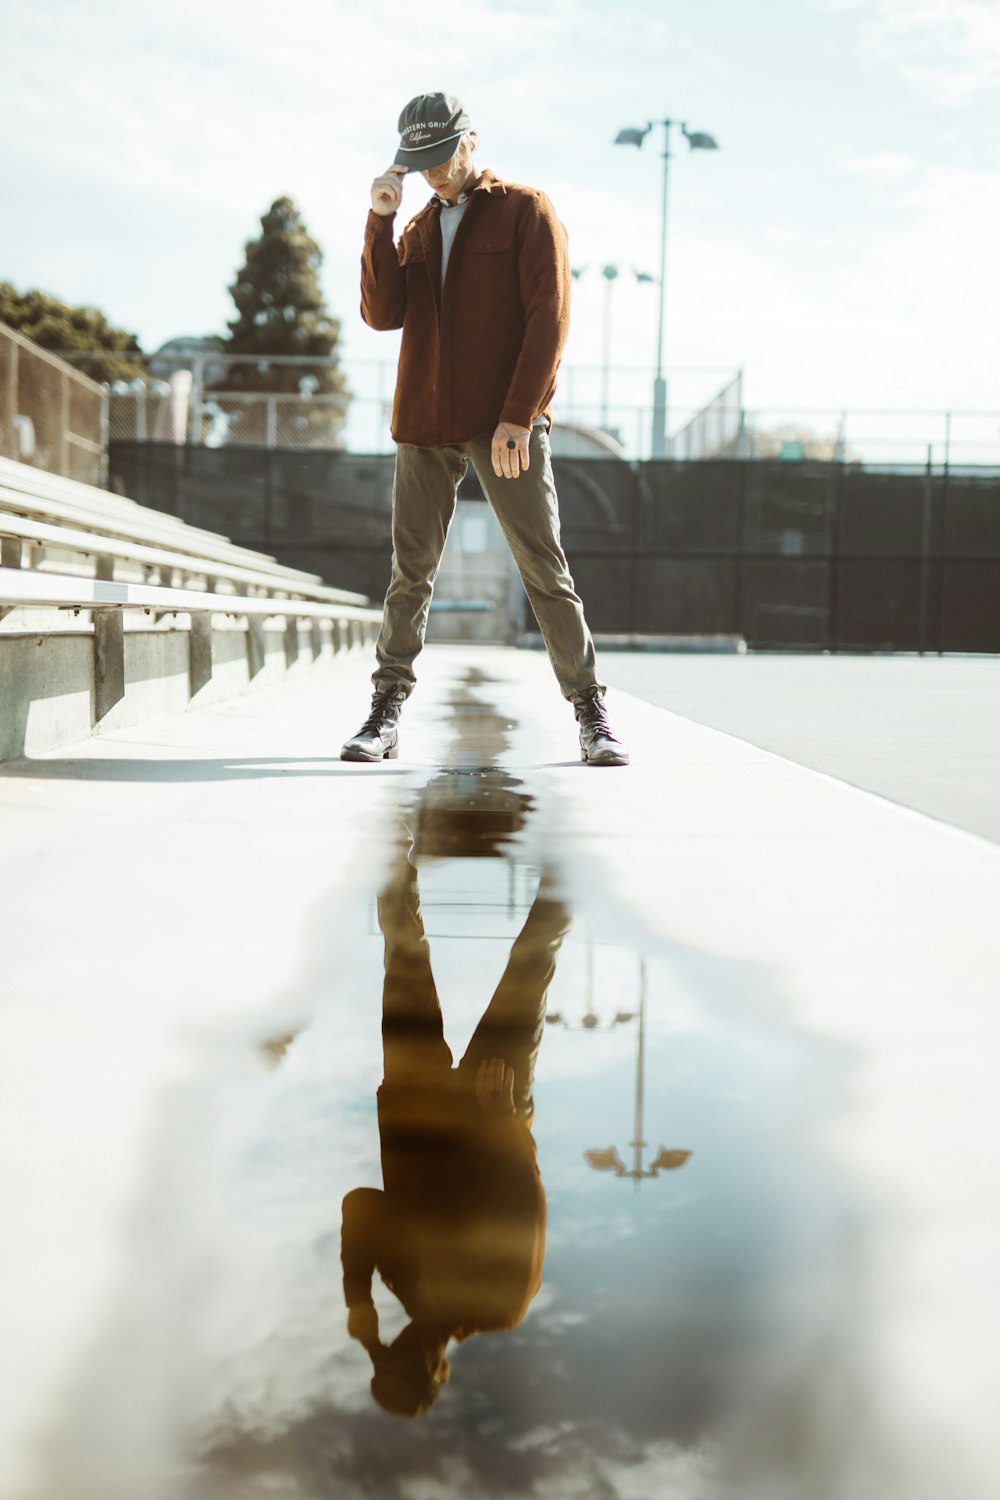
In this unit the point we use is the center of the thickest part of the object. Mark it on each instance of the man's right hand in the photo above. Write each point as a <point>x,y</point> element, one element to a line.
<point>387,191</point>
<point>495,1087</point>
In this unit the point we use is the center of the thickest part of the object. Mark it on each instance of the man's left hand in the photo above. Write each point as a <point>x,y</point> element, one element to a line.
<point>509,461</point>
<point>362,1324</point>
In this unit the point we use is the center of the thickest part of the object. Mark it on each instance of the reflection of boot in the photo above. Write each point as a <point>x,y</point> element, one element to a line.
<point>378,737</point>
<point>599,745</point>
<point>274,1049</point>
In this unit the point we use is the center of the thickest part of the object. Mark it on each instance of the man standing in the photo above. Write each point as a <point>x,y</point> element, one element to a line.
<point>479,283</point>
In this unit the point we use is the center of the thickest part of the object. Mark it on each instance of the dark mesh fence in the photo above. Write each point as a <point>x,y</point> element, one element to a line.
<point>792,556</point>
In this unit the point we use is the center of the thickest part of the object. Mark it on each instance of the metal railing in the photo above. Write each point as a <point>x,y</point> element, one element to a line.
<point>213,403</point>
<point>192,406</point>
<point>700,427</point>
<point>226,419</point>
<point>51,416</point>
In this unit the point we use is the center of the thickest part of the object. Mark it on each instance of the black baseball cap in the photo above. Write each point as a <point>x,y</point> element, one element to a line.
<point>430,129</point>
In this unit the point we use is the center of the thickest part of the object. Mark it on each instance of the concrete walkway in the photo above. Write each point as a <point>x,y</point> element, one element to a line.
<point>167,890</point>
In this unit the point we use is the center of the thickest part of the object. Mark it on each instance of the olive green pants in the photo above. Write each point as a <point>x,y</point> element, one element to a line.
<point>423,504</point>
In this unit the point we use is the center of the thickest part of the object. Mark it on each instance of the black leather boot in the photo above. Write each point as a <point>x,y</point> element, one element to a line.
<point>599,746</point>
<point>378,737</point>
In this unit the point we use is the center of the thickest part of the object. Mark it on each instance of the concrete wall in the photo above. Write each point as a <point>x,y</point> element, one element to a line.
<point>47,679</point>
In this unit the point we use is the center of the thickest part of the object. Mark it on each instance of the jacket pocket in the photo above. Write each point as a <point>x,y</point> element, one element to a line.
<point>493,244</point>
<point>411,253</point>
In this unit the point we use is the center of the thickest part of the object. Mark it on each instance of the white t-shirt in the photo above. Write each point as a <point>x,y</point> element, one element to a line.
<point>451,217</point>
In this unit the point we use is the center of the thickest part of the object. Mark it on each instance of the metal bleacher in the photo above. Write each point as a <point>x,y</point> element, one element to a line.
<point>71,547</point>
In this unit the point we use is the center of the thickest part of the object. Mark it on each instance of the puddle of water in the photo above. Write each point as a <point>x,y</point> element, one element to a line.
<point>443,1241</point>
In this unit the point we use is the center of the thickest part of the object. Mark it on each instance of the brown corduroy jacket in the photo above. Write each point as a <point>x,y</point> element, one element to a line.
<point>487,349</point>
<point>458,1233</point>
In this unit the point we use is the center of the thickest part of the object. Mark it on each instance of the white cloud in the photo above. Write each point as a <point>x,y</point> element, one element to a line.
<point>882,164</point>
<point>949,49</point>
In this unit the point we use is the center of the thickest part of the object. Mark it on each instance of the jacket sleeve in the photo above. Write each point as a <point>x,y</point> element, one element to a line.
<point>359,1237</point>
<point>544,275</point>
<point>383,287</point>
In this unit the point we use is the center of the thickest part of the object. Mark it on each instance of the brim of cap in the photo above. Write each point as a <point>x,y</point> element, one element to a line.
<point>430,156</point>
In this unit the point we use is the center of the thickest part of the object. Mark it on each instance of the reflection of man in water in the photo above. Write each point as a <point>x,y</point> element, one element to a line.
<point>458,1231</point>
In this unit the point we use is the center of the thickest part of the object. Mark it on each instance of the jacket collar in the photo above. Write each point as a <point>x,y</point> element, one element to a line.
<point>486,182</point>
<point>489,182</point>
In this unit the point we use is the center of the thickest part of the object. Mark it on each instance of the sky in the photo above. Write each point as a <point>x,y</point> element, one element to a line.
<point>839,247</point>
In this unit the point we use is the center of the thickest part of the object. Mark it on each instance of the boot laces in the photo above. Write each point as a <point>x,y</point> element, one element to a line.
<point>591,713</point>
<point>382,702</point>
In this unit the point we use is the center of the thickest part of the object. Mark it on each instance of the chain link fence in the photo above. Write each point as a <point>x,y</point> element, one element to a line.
<point>225,419</point>
<point>205,398</point>
<point>717,429</point>
<point>233,401</point>
<point>51,416</point>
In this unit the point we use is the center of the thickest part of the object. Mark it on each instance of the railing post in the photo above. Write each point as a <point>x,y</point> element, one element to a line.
<point>104,434</point>
<point>200,660</point>
<point>197,396</point>
<point>256,654</point>
<point>925,550</point>
<point>64,445</point>
<point>291,641</point>
<point>271,403</point>
<point>10,422</point>
<point>109,649</point>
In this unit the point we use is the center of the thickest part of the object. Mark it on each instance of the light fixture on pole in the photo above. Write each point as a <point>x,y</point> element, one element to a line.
<point>698,140</point>
<point>590,1021</point>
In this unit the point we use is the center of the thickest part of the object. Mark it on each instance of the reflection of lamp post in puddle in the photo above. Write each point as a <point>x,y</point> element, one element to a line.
<point>608,1160</point>
<point>590,1020</point>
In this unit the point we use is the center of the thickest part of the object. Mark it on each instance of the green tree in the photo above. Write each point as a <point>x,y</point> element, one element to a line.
<point>281,311</point>
<point>55,325</point>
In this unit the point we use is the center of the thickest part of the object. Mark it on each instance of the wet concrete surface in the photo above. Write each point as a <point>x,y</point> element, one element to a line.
<point>697,1202</point>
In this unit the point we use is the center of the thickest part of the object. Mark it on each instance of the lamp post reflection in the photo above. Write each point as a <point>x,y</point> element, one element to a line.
<point>590,1020</point>
<point>608,1159</point>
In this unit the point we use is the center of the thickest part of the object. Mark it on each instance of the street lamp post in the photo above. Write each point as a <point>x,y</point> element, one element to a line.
<point>698,140</point>
<point>610,274</point>
<point>607,1159</point>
